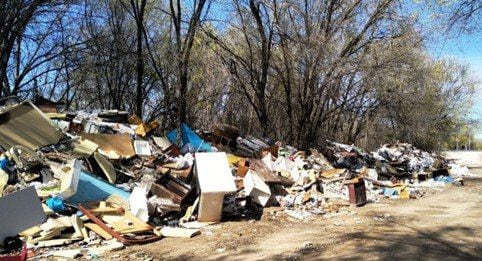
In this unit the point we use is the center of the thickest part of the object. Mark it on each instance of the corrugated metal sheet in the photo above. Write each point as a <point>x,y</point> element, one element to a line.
<point>24,124</point>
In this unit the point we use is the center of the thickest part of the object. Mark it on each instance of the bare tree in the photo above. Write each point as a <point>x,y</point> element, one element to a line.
<point>183,41</point>
<point>250,67</point>
<point>15,15</point>
<point>137,10</point>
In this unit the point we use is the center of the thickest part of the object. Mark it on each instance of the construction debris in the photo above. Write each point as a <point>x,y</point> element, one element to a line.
<point>107,180</point>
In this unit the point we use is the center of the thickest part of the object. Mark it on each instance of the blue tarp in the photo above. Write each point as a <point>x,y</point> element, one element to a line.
<point>445,179</point>
<point>189,136</point>
<point>91,189</point>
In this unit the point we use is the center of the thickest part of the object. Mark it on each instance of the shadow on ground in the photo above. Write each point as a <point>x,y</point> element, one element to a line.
<point>391,238</point>
<point>413,245</point>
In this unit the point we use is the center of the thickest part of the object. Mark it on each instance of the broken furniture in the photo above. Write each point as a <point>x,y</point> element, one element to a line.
<point>357,192</point>
<point>255,187</point>
<point>215,180</point>
<point>171,188</point>
<point>119,224</point>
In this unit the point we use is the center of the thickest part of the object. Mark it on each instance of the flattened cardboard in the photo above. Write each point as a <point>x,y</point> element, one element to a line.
<point>19,211</point>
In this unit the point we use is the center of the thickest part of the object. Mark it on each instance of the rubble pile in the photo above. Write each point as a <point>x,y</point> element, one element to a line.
<point>90,182</point>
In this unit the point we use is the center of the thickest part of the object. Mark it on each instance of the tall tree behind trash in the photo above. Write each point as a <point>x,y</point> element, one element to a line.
<point>249,60</point>
<point>137,10</point>
<point>184,40</point>
<point>30,34</point>
<point>301,71</point>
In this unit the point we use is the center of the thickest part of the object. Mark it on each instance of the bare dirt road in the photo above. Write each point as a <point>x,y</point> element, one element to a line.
<point>444,224</point>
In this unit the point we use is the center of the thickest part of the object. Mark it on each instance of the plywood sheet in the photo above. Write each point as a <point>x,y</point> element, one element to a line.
<point>119,144</point>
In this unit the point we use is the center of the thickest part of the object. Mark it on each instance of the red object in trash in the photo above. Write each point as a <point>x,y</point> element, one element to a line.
<point>357,193</point>
<point>22,256</point>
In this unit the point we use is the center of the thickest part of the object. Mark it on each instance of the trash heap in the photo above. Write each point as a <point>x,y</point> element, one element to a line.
<point>90,182</point>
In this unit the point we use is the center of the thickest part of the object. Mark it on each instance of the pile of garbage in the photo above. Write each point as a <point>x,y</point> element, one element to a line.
<point>96,181</point>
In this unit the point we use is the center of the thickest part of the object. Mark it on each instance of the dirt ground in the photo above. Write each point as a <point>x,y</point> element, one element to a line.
<point>444,224</point>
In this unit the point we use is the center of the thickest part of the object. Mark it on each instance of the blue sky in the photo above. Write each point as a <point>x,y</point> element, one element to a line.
<point>466,49</point>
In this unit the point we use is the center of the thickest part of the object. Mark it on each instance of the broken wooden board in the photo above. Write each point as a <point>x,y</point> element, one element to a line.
<point>111,245</point>
<point>98,230</point>
<point>120,237</point>
<point>112,144</point>
<point>70,180</point>
<point>106,167</point>
<point>264,172</point>
<point>196,224</point>
<point>80,230</point>
<point>332,173</point>
<point>126,223</point>
<point>102,207</point>
<point>31,232</point>
<point>47,235</point>
<point>54,223</point>
<point>69,253</point>
<point>54,242</point>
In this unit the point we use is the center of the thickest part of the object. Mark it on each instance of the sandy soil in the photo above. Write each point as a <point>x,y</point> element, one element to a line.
<point>445,224</point>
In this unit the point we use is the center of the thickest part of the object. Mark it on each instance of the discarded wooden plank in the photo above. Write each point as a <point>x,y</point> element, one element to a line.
<point>69,253</point>
<point>54,242</point>
<point>98,230</point>
<point>80,230</point>
<point>115,234</point>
